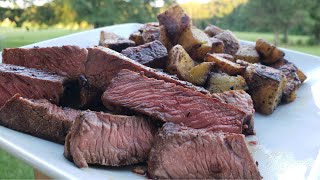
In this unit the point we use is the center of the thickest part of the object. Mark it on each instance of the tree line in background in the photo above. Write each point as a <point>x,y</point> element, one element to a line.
<point>277,16</point>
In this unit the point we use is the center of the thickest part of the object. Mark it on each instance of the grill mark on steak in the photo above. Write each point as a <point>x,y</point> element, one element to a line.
<point>66,60</point>
<point>110,140</point>
<point>30,83</point>
<point>185,153</point>
<point>171,103</point>
<point>39,118</point>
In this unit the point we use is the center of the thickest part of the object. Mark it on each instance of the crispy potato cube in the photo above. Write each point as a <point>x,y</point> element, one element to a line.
<point>175,20</point>
<point>180,63</point>
<point>199,73</point>
<point>247,53</point>
<point>163,38</point>
<point>150,33</point>
<point>293,81</point>
<point>225,56</point>
<point>231,43</point>
<point>269,53</point>
<point>195,42</point>
<point>148,25</point>
<point>212,30</point>
<point>301,75</point>
<point>266,85</point>
<point>113,41</point>
<point>153,54</point>
<point>137,38</point>
<point>225,65</point>
<point>217,45</point>
<point>220,82</point>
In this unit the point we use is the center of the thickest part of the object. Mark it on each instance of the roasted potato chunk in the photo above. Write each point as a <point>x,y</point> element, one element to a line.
<point>266,85</point>
<point>231,43</point>
<point>212,30</point>
<point>293,81</point>
<point>225,56</point>
<point>137,38</point>
<point>269,53</point>
<point>217,45</point>
<point>150,33</point>
<point>163,38</point>
<point>113,41</point>
<point>153,54</point>
<point>225,65</point>
<point>195,42</point>
<point>301,75</point>
<point>148,25</point>
<point>180,63</point>
<point>175,20</point>
<point>247,53</point>
<point>220,82</point>
<point>199,74</point>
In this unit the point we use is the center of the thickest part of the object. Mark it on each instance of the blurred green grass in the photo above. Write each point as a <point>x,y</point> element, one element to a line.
<point>12,168</point>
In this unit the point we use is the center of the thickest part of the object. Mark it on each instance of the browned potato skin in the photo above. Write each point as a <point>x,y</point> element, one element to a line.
<point>150,33</point>
<point>180,63</point>
<point>225,56</point>
<point>248,53</point>
<point>217,45</point>
<point>301,75</point>
<point>212,30</point>
<point>200,73</point>
<point>266,85</point>
<point>220,82</point>
<point>163,38</point>
<point>195,42</point>
<point>175,20</point>
<point>293,81</point>
<point>113,41</point>
<point>137,38</point>
<point>225,65</point>
<point>269,53</point>
<point>231,43</point>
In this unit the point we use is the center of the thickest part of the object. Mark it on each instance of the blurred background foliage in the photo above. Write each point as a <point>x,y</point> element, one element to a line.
<point>293,24</point>
<point>280,17</point>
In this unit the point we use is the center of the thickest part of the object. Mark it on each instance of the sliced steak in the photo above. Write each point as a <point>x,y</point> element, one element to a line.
<point>153,54</point>
<point>104,64</point>
<point>184,153</point>
<point>30,83</point>
<point>66,60</point>
<point>171,103</point>
<point>110,140</point>
<point>38,118</point>
<point>241,100</point>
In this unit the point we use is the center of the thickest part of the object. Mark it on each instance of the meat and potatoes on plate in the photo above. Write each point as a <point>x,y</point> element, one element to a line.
<point>174,98</point>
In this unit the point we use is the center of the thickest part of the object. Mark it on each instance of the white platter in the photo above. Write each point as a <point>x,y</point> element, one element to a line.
<point>288,141</point>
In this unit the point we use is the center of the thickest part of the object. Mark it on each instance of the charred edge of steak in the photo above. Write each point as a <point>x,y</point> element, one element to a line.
<point>39,118</point>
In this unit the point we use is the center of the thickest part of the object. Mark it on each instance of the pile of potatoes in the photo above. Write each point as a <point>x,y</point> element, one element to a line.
<point>215,60</point>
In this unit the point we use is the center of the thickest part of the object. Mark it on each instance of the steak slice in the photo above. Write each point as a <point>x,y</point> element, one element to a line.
<point>184,153</point>
<point>171,103</point>
<point>104,64</point>
<point>66,60</point>
<point>39,118</point>
<point>30,83</point>
<point>241,100</point>
<point>111,140</point>
<point>153,54</point>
